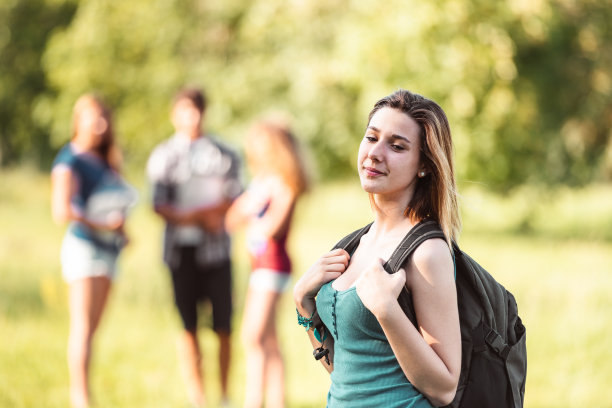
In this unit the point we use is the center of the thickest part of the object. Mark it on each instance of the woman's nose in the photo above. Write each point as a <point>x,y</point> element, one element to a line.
<point>375,151</point>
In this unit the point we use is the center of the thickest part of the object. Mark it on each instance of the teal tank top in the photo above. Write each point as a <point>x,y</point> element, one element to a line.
<point>366,373</point>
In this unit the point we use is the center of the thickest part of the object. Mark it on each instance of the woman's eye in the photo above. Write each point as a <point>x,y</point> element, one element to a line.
<point>370,138</point>
<point>397,147</point>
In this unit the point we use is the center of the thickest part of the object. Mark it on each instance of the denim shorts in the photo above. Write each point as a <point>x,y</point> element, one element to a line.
<point>270,280</point>
<point>81,258</point>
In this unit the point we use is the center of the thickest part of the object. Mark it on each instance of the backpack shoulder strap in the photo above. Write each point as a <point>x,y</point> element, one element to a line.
<point>351,241</point>
<point>424,230</point>
<point>420,233</point>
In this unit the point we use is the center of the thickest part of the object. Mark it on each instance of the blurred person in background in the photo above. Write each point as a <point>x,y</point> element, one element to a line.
<point>195,178</point>
<point>89,194</point>
<point>377,356</point>
<point>266,208</point>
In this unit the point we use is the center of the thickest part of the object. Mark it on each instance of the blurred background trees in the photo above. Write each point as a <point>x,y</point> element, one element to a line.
<point>25,27</point>
<point>527,84</point>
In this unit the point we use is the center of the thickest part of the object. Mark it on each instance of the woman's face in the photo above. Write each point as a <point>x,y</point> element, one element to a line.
<point>90,127</point>
<point>389,155</point>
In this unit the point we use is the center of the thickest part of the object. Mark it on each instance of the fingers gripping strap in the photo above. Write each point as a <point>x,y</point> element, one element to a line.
<point>416,236</point>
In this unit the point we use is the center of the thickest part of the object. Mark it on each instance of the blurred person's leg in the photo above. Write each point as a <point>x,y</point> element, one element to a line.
<point>217,281</point>
<point>185,285</point>
<point>190,359</point>
<point>87,298</point>
<point>257,325</point>
<point>274,369</point>
<point>224,362</point>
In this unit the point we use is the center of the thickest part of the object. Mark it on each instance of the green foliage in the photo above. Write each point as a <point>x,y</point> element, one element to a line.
<point>24,32</point>
<point>557,128</point>
<point>526,85</point>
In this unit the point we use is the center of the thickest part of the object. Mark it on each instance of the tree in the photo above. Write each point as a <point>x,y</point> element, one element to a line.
<point>526,85</point>
<point>26,27</point>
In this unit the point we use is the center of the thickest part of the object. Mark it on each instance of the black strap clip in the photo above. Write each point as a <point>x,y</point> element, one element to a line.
<point>321,352</point>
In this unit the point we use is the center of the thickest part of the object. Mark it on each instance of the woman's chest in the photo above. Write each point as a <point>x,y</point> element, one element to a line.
<point>345,316</point>
<point>365,256</point>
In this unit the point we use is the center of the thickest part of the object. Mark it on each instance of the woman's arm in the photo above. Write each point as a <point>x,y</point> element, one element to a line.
<point>431,356</point>
<point>276,219</point>
<point>239,213</point>
<point>63,187</point>
<point>328,343</point>
<point>327,268</point>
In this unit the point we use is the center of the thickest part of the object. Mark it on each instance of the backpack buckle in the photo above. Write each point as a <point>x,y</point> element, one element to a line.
<point>497,343</point>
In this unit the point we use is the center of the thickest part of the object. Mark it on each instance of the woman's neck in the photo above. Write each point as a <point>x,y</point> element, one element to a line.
<point>389,217</point>
<point>80,146</point>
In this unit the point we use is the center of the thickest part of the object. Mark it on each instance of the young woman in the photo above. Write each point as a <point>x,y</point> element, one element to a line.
<point>267,208</point>
<point>377,356</point>
<point>89,194</point>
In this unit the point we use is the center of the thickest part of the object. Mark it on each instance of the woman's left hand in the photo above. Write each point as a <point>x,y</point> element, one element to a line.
<point>379,290</point>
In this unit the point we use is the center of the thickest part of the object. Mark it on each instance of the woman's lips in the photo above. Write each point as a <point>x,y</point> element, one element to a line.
<point>372,172</point>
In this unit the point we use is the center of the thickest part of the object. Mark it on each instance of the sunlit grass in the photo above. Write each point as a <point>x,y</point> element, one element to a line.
<point>559,272</point>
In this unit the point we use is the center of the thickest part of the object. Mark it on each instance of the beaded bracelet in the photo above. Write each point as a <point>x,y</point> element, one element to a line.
<point>318,336</point>
<point>305,321</point>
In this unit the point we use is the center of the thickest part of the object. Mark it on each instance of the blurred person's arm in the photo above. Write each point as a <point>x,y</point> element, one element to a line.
<point>239,213</point>
<point>215,218</point>
<point>61,192</point>
<point>212,219</point>
<point>277,217</point>
<point>161,203</point>
<point>158,172</point>
<point>63,187</point>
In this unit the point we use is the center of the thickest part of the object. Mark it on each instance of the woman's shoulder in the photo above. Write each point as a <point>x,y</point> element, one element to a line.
<point>433,247</point>
<point>280,187</point>
<point>432,257</point>
<point>64,158</point>
<point>271,183</point>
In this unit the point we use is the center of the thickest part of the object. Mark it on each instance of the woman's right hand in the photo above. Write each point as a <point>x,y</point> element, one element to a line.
<point>327,268</point>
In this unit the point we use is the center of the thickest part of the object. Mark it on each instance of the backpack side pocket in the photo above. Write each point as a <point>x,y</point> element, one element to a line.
<point>516,366</point>
<point>484,388</point>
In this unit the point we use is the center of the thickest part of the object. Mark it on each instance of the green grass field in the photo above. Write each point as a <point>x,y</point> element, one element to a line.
<point>554,252</point>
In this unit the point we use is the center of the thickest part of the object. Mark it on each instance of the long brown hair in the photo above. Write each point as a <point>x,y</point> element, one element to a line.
<point>272,147</point>
<point>435,195</point>
<point>107,148</point>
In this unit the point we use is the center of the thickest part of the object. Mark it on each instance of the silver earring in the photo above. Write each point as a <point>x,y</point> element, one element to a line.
<point>421,174</point>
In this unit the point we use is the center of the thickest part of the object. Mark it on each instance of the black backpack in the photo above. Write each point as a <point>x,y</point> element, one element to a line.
<point>493,349</point>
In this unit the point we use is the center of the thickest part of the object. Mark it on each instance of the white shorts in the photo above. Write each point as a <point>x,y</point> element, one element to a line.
<point>269,279</point>
<point>83,259</point>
